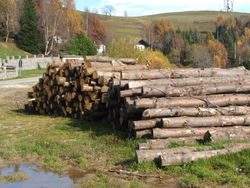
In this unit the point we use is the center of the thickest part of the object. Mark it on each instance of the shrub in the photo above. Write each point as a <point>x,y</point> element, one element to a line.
<point>124,49</point>
<point>81,45</point>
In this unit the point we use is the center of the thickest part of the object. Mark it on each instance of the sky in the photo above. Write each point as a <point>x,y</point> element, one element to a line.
<point>148,7</point>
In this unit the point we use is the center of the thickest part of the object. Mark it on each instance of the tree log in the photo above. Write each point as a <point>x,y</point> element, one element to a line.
<point>164,143</point>
<point>199,111</point>
<point>184,82</point>
<point>168,91</point>
<point>168,159</point>
<point>150,155</point>
<point>205,101</point>
<point>182,73</point>
<point>191,132</point>
<point>98,74</point>
<point>221,135</point>
<point>215,121</point>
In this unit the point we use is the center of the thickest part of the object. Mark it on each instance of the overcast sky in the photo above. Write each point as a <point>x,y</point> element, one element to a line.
<point>147,7</point>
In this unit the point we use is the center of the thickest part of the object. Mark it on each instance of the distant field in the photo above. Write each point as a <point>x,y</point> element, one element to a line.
<point>132,26</point>
<point>10,49</point>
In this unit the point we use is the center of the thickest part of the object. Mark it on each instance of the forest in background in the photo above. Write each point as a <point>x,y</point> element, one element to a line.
<point>55,26</point>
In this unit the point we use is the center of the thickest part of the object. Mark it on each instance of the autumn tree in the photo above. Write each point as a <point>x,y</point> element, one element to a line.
<point>58,21</point>
<point>218,53</point>
<point>95,30</point>
<point>72,19</point>
<point>156,32</point>
<point>8,18</point>
<point>28,36</point>
<point>243,46</point>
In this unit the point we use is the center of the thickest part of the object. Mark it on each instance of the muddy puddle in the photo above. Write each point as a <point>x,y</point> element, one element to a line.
<point>31,176</point>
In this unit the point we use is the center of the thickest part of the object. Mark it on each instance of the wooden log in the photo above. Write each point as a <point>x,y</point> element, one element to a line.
<point>185,82</point>
<point>182,73</point>
<point>205,101</point>
<point>98,74</point>
<point>167,159</point>
<point>98,59</point>
<point>103,68</point>
<point>215,121</point>
<point>129,61</point>
<point>98,65</point>
<point>143,134</point>
<point>144,124</point>
<point>151,155</point>
<point>159,133</point>
<point>199,111</point>
<point>222,135</point>
<point>169,91</point>
<point>131,92</point>
<point>164,143</point>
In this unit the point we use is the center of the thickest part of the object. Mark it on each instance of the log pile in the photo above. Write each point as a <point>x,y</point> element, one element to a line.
<point>170,103</point>
<point>77,89</point>
<point>167,105</point>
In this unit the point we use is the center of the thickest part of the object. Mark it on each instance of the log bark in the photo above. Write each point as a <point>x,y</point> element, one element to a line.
<point>221,135</point>
<point>215,121</point>
<point>90,71</point>
<point>184,82</point>
<point>98,74</point>
<point>182,73</point>
<point>205,101</point>
<point>190,132</point>
<point>168,91</point>
<point>164,143</point>
<point>150,155</point>
<point>198,112</point>
<point>143,134</point>
<point>144,124</point>
<point>168,159</point>
<point>98,59</point>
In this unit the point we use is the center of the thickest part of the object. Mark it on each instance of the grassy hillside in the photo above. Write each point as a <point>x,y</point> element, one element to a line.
<point>10,49</point>
<point>132,26</point>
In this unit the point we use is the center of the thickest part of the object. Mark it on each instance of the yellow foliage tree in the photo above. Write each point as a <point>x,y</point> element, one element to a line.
<point>218,53</point>
<point>243,46</point>
<point>125,48</point>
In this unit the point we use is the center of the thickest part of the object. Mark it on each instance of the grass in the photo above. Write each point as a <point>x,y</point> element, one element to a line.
<point>60,143</point>
<point>28,74</point>
<point>31,73</point>
<point>10,49</point>
<point>133,26</point>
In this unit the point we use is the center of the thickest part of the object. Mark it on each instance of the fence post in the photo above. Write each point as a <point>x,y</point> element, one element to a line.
<point>5,72</point>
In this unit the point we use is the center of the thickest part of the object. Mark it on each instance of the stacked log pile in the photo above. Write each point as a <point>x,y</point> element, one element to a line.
<point>182,105</point>
<point>180,102</point>
<point>77,89</point>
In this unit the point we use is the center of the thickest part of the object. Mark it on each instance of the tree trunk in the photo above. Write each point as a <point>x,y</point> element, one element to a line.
<point>191,132</point>
<point>168,159</point>
<point>205,101</point>
<point>222,135</point>
<point>182,73</point>
<point>164,143</point>
<point>168,91</point>
<point>150,155</point>
<point>215,121</point>
<point>185,82</point>
<point>98,74</point>
<point>199,111</point>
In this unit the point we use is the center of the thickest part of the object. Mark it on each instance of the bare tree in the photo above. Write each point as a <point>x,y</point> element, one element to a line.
<point>8,17</point>
<point>108,10</point>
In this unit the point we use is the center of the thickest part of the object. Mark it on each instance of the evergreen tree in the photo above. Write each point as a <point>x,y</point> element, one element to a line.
<point>28,36</point>
<point>82,45</point>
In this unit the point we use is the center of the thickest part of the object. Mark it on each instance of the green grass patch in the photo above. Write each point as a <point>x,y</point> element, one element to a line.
<point>62,143</point>
<point>10,49</point>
